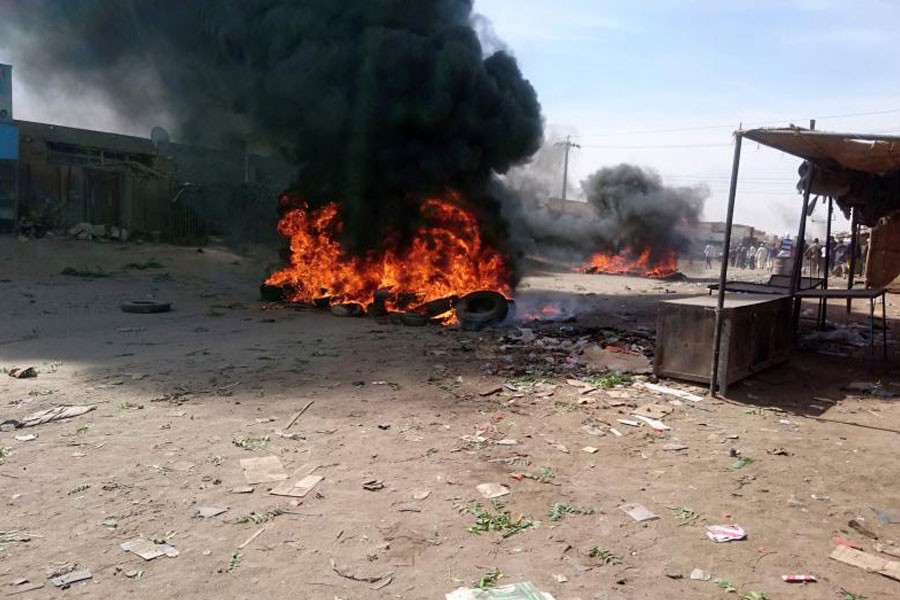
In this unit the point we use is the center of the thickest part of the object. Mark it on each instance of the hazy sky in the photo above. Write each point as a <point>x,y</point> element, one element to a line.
<point>621,76</point>
<point>663,83</point>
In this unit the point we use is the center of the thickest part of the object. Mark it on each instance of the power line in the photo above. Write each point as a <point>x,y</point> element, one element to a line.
<point>658,146</point>
<point>773,121</point>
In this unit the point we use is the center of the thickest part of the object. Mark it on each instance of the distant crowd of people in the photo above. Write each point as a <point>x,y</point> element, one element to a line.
<point>838,261</point>
<point>760,256</point>
<point>749,256</point>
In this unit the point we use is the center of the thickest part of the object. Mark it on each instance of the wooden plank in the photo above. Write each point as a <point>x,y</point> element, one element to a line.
<point>867,562</point>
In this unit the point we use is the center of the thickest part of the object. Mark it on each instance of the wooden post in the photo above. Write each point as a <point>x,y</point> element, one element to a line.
<point>723,271</point>
<point>854,244</point>
<point>823,305</point>
<point>801,229</point>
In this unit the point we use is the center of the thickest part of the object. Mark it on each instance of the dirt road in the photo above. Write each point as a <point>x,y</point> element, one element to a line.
<point>401,410</point>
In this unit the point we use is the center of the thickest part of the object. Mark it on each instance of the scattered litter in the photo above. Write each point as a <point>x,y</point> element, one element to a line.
<point>491,391</point>
<point>299,489</point>
<point>778,452</point>
<point>27,438</point>
<point>675,447</point>
<point>842,541</point>
<point>23,588</point>
<point>148,550</point>
<point>590,449</point>
<point>298,415</point>
<point>183,466</point>
<point>629,422</point>
<point>615,432</point>
<point>208,512</point>
<point>26,373</point>
<point>506,442</point>
<point>861,529</point>
<point>64,581</point>
<point>56,413</point>
<point>373,485</point>
<point>592,430</point>
<point>889,550</point>
<point>354,577</point>
<point>888,517</point>
<point>255,535</point>
<point>560,578</point>
<point>265,469</point>
<point>700,575</point>
<point>492,490</point>
<point>559,446</point>
<point>741,462</point>
<point>867,562</point>
<point>653,411</point>
<point>672,392</point>
<point>420,494</point>
<point>725,533</point>
<point>513,591</point>
<point>617,362</point>
<point>657,425</point>
<point>797,578</point>
<point>382,583</point>
<point>251,443</point>
<point>638,512</point>
<point>242,489</point>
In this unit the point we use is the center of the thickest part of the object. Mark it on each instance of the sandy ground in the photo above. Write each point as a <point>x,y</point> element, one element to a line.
<point>403,406</point>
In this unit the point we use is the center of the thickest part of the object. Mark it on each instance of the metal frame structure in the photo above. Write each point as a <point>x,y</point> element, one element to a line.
<point>815,148</point>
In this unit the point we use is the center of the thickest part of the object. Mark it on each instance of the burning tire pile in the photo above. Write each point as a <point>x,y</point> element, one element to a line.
<point>473,311</point>
<point>443,272</point>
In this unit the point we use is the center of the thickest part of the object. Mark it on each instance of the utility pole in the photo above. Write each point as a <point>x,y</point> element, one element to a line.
<point>568,144</point>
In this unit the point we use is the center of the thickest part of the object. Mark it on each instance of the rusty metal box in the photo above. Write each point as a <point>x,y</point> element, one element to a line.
<point>756,334</point>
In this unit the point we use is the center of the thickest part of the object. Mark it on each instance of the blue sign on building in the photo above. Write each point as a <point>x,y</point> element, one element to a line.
<point>9,141</point>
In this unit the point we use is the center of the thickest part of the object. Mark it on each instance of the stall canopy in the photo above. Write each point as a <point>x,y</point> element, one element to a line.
<point>858,170</point>
<point>873,154</point>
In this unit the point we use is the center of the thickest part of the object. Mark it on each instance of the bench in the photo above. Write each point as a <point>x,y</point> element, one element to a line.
<point>777,284</point>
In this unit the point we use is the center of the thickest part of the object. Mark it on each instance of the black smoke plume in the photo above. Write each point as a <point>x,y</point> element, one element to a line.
<point>635,209</point>
<point>379,103</point>
<point>540,221</point>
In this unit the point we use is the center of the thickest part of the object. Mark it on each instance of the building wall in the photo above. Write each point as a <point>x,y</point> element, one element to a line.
<point>176,191</point>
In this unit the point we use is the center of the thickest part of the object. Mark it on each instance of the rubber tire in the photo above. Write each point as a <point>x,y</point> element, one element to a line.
<point>437,307</point>
<point>411,319</point>
<point>482,308</point>
<point>146,307</point>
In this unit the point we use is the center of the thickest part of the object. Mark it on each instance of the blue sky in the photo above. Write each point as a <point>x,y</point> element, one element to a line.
<point>617,75</point>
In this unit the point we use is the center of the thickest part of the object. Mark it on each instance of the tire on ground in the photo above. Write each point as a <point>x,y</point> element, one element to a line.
<point>481,309</point>
<point>146,306</point>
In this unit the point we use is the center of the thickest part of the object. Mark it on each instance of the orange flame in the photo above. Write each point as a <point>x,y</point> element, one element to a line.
<point>630,262</point>
<point>445,257</point>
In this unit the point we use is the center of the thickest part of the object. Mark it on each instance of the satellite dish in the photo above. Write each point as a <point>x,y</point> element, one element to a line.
<point>158,136</point>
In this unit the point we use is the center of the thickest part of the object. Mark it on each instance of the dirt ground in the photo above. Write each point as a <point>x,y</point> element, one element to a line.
<point>403,407</point>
